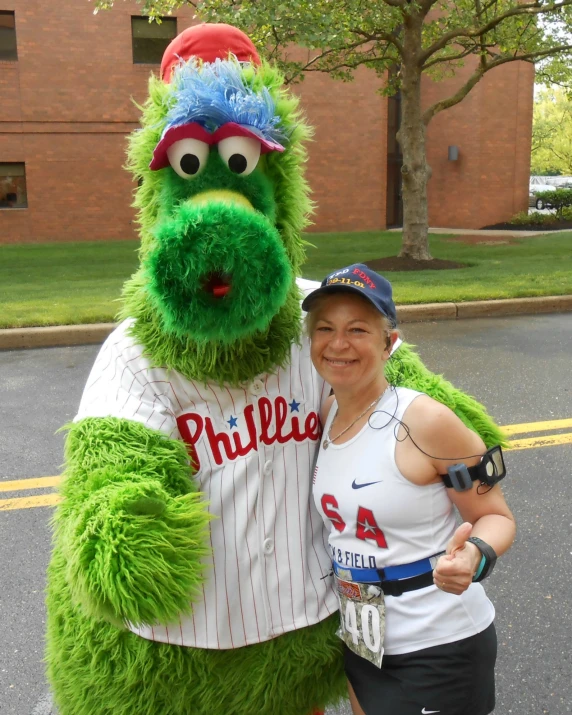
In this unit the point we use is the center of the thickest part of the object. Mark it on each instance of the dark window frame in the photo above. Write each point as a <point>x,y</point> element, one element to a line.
<point>9,194</point>
<point>10,54</point>
<point>149,50</point>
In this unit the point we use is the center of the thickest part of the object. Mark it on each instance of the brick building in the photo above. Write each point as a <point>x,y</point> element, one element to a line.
<point>69,80</point>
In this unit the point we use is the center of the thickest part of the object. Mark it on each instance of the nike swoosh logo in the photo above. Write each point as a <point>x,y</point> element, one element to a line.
<point>427,712</point>
<point>367,484</point>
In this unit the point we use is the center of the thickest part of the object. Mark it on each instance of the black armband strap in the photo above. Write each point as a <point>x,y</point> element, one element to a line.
<point>490,470</point>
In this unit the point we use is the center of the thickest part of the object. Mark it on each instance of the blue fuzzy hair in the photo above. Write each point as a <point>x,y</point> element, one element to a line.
<point>213,94</point>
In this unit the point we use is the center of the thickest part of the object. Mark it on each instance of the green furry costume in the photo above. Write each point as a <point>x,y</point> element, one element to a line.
<point>215,304</point>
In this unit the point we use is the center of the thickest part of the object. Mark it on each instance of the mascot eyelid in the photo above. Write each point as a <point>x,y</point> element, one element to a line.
<point>193,130</point>
<point>188,157</point>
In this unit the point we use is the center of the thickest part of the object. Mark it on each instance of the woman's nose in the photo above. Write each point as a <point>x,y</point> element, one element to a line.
<point>339,341</point>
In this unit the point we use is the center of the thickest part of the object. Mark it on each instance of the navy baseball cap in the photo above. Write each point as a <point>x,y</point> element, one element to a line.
<point>360,279</point>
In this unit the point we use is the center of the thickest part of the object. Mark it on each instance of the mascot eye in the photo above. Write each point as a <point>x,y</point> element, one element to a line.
<point>188,157</point>
<point>241,154</point>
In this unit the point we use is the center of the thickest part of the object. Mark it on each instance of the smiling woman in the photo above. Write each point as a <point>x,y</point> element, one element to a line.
<point>431,646</point>
<point>350,339</point>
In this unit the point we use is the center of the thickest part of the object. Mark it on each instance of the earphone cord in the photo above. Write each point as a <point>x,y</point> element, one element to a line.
<point>392,417</point>
<point>482,487</point>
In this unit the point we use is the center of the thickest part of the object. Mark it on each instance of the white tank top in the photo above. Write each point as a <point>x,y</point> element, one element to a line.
<point>377,518</point>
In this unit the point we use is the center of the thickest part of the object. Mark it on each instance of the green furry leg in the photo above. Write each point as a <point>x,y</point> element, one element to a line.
<point>98,669</point>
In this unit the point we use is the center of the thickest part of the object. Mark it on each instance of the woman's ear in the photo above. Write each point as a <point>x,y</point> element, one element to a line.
<point>391,339</point>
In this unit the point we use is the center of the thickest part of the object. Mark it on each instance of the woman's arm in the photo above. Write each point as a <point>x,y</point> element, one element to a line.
<point>486,516</point>
<point>447,441</point>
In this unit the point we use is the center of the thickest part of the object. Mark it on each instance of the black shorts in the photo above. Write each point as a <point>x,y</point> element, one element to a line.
<point>453,679</point>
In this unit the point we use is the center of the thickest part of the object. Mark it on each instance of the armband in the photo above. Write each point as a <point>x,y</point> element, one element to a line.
<point>490,470</point>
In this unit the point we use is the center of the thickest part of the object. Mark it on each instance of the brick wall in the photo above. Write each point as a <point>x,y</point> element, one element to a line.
<point>492,127</point>
<point>68,104</point>
<point>67,107</point>
<point>348,165</point>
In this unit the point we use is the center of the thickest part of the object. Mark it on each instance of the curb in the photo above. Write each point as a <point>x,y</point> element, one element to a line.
<point>68,335</point>
<point>54,336</point>
<point>484,308</point>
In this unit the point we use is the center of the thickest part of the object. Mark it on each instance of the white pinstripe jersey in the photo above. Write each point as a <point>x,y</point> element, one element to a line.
<point>255,447</point>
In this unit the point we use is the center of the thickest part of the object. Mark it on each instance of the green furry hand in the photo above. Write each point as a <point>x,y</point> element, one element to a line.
<point>135,553</point>
<point>131,526</point>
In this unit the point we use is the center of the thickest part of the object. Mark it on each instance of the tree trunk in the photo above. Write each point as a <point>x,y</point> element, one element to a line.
<point>411,137</point>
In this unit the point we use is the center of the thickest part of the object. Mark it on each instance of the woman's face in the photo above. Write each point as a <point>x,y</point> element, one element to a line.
<point>349,341</point>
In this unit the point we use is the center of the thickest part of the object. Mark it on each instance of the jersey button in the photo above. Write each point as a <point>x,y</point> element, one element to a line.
<point>267,467</point>
<point>268,546</point>
<point>256,387</point>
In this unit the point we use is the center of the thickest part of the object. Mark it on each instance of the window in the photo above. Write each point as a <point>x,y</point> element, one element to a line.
<point>150,40</point>
<point>8,36</point>
<point>13,186</point>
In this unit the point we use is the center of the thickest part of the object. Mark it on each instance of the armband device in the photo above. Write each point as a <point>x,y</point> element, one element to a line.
<point>490,470</point>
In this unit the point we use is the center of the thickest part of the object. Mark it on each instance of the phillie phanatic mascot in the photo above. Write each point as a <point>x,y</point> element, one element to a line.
<point>189,572</point>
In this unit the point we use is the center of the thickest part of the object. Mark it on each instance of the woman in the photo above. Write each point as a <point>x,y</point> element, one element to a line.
<point>401,564</point>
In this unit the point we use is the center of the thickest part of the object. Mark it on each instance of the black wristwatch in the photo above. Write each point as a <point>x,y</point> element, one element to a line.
<point>488,561</point>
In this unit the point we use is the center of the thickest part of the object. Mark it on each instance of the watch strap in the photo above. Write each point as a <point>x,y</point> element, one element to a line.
<point>488,554</point>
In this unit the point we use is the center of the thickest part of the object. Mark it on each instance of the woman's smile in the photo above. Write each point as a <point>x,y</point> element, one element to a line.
<point>338,362</point>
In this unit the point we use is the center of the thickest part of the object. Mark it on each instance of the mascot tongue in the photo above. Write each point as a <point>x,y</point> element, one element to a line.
<point>217,284</point>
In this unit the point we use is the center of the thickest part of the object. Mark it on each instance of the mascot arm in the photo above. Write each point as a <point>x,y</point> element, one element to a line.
<point>405,369</point>
<point>132,526</point>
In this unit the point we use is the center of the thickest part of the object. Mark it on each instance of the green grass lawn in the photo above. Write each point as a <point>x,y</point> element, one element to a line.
<point>67,283</point>
<point>63,283</point>
<point>530,267</point>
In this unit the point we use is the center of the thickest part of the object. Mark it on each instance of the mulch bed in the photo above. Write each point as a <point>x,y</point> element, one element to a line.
<point>556,226</point>
<point>393,263</point>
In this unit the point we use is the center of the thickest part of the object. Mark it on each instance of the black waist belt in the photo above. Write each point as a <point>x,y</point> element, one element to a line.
<point>396,588</point>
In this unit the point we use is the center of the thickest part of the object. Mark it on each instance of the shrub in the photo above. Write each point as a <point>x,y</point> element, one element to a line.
<point>559,199</point>
<point>533,218</point>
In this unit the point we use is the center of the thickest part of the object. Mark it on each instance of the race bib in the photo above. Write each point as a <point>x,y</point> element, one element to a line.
<point>362,619</point>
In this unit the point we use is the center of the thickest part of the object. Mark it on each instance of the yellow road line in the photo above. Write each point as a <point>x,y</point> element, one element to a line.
<point>21,484</point>
<point>29,502</point>
<point>514,445</point>
<point>534,442</point>
<point>527,427</point>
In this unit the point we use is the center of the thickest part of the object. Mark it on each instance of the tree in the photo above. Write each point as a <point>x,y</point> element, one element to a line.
<point>416,37</point>
<point>552,132</point>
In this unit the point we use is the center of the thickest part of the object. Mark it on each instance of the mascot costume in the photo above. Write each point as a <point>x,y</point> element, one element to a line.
<point>189,571</point>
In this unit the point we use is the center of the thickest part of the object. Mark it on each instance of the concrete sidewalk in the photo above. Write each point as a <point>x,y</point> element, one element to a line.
<point>59,335</point>
<point>489,232</point>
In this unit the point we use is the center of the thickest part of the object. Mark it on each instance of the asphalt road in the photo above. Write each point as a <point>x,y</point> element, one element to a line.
<point>519,367</point>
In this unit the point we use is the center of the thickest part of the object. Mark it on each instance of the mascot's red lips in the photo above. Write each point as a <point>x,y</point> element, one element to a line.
<point>218,284</point>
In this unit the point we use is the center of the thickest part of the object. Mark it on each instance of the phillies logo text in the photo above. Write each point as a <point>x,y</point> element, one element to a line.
<point>275,426</point>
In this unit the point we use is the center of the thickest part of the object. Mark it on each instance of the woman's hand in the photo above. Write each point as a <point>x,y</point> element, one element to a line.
<point>455,570</point>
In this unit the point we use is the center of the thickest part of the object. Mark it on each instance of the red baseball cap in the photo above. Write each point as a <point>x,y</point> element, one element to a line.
<point>207,42</point>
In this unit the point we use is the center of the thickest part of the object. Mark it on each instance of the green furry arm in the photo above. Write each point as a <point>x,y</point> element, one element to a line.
<point>131,525</point>
<point>405,369</point>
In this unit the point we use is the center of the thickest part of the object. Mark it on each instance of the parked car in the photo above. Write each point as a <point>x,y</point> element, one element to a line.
<point>534,201</point>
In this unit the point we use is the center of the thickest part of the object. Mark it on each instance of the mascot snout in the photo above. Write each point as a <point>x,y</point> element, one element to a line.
<point>218,270</point>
